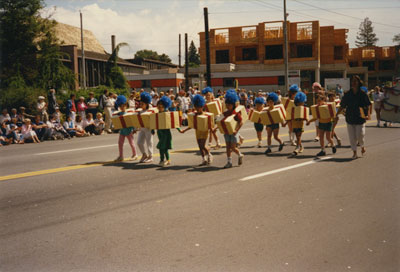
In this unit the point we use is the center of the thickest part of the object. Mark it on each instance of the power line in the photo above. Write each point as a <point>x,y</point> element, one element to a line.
<point>312,16</point>
<point>338,13</point>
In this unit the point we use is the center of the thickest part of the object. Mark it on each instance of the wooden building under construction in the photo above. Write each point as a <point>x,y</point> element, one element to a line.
<point>318,52</point>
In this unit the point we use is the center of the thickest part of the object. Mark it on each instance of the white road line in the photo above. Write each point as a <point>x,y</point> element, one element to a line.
<point>76,149</point>
<point>283,169</point>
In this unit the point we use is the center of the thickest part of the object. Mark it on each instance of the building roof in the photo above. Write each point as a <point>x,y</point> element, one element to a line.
<point>105,56</point>
<point>71,35</point>
<point>142,61</point>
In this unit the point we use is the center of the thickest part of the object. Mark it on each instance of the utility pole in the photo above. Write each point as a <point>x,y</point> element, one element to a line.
<point>285,37</point>
<point>179,55</point>
<point>186,64</point>
<point>83,57</point>
<point>208,65</point>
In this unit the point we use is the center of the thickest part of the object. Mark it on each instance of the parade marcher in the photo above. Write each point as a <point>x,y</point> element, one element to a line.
<point>352,101</point>
<point>145,135</point>
<point>164,135</point>
<point>317,89</point>
<point>324,128</point>
<point>378,97</point>
<point>292,93</point>
<point>272,100</point>
<point>121,105</point>
<point>259,105</point>
<point>231,140</point>
<point>201,136</point>
<point>209,96</point>
<point>331,99</point>
<point>298,124</point>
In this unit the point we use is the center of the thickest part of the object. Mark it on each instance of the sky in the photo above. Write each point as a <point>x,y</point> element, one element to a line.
<point>156,24</point>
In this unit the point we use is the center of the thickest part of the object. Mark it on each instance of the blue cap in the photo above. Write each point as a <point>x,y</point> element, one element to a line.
<point>166,102</point>
<point>300,97</point>
<point>121,99</point>
<point>231,97</point>
<point>207,90</point>
<point>364,89</point>
<point>145,97</point>
<point>273,96</point>
<point>259,100</point>
<point>294,88</point>
<point>198,101</point>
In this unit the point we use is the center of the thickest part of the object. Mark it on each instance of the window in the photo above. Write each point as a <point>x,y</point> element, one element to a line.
<point>273,52</point>
<point>351,52</point>
<point>368,53</point>
<point>146,84</point>
<point>385,52</point>
<point>304,31</point>
<point>353,64</point>
<point>273,31</point>
<point>229,82</point>
<point>222,56</point>
<point>386,65</point>
<point>221,36</point>
<point>281,80</point>
<point>249,32</point>
<point>249,54</point>
<point>304,51</point>
<point>370,65</point>
<point>338,52</point>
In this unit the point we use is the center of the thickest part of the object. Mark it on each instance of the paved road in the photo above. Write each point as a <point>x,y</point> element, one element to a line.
<point>64,207</point>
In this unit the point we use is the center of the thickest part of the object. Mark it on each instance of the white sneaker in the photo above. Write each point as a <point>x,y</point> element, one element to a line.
<point>259,144</point>
<point>134,157</point>
<point>209,159</point>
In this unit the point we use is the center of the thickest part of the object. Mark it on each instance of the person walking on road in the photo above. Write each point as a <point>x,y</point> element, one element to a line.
<point>355,101</point>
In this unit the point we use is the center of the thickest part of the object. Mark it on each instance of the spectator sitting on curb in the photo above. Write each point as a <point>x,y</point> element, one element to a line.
<point>99,124</point>
<point>27,133</point>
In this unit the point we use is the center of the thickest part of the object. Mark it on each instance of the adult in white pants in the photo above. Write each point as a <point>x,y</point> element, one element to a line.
<point>145,144</point>
<point>354,101</point>
<point>108,106</point>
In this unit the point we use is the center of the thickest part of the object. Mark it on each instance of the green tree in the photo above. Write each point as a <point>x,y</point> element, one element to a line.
<point>366,35</point>
<point>114,73</point>
<point>30,52</point>
<point>153,55</point>
<point>194,57</point>
<point>396,39</point>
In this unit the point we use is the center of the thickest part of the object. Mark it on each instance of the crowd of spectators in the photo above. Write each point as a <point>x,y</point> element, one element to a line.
<point>90,116</point>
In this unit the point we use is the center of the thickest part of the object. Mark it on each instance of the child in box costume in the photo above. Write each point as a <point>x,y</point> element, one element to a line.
<point>254,116</point>
<point>292,92</point>
<point>201,133</point>
<point>164,135</point>
<point>273,126</point>
<point>332,99</point>
<point>145,136</point>
<point>324,113</point>
<point>124,132</point>
<point>298,123</point>
<point>216,105</point>
<point>230,122</point>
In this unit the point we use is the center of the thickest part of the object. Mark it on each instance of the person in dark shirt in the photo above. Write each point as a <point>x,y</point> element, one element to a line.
<point>355,102</point>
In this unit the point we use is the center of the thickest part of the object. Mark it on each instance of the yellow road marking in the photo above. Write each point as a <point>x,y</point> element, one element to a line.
<point>82,166</point>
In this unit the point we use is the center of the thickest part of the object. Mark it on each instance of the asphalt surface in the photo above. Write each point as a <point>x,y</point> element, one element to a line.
<point>65,207</point>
